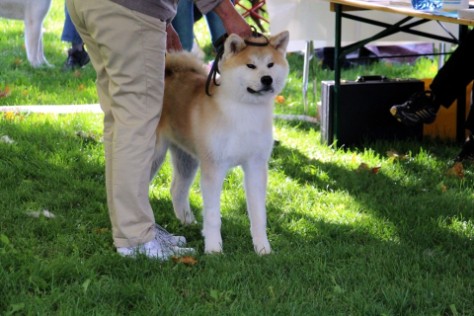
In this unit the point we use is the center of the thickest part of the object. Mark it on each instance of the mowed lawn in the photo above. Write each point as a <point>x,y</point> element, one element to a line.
<point>383,229</point>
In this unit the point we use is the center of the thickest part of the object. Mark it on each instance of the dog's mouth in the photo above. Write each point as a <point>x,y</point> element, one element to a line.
<point>264,90</point>
<point>266,84</point>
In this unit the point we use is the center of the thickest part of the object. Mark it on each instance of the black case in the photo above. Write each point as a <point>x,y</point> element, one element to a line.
<point>363,114</point>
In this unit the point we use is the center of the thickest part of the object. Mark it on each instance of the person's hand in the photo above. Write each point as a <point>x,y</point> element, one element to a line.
<point>236,24</point>
<point>173,43</point>
<point>232,20</point>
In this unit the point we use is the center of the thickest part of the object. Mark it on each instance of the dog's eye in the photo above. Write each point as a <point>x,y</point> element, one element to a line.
<point>251,66</point>
<point>270,65</point>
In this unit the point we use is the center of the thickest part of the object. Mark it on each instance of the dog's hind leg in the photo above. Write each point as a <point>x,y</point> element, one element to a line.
<point>160,154</point>
<point>184,171</point>
<point>255,188</point>
<point>212,178</point>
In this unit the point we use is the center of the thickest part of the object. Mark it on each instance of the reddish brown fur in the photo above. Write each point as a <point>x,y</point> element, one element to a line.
<point>184,96</point>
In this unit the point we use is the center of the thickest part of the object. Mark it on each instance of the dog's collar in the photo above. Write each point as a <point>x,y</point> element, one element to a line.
<point>219,45</point>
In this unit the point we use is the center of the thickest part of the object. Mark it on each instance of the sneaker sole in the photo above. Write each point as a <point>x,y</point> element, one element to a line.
<point>407,121</point>
<point>394,112</point>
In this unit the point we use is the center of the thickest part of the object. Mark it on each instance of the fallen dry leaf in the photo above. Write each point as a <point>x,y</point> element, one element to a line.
<point>366,168</point>
<point>444,188</point>
<point>5,92</point>
<point>363,167</point>
<point>354,158</point>
<point>101,230</point>
<point>6,139</point>
<point>395,155</point>
<point>376,170</point>
<point>88,137</point>
<point>187,260</point>
<point>9,115</point>
<point>12,116</point>
<point>457,170</point>
<point>18,61</point>
<point>37,214</point>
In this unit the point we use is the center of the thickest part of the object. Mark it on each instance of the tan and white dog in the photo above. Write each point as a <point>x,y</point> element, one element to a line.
<point>233,126</point>
<point>32,12</point>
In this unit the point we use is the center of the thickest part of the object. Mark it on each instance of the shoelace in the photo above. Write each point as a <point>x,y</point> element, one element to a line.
<point>219,44</point>
<point>426,94</point>
<point>163,235</point>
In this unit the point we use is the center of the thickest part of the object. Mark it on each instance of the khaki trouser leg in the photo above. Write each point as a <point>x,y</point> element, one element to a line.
<point>127,50</point>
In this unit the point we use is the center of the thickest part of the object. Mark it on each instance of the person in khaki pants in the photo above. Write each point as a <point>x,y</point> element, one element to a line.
<point>126,41</point>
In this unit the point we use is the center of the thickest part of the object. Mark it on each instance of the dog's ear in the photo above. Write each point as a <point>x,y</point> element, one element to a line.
<point>280,41</point>
<point>233,45</point>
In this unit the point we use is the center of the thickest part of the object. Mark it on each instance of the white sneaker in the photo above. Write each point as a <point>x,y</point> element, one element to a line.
<point>155,249</point>
<point>162,247</point>
<point>164,236</point>
<point>151,249</point>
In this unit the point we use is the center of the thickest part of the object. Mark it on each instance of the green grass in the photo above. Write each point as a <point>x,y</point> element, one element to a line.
<point>25,85</point>
<point>346,240</point>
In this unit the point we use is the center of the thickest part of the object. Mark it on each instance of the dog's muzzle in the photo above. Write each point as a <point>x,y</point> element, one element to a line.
<point>266,82</point>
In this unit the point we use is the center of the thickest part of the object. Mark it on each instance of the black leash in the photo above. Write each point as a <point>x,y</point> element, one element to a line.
<point>219,45</point>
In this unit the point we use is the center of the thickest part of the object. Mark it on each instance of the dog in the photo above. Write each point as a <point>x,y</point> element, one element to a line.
<point>231,126</point>
<point>32,12</point>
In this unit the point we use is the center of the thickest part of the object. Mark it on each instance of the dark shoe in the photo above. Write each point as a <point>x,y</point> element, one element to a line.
<point>420,108</point>
<point>467,151</point>
<point>76,59</point>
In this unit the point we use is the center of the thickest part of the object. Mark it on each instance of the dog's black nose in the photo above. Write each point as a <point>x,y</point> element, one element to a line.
<point>266,80</point>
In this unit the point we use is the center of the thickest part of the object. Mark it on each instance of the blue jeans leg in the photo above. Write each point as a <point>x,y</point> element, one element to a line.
<point>69,33</point>
<point>215,25</point>
<point>183,23</point>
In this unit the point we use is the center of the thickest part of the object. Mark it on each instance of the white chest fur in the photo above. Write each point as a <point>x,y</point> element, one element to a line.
<point>240,132</point>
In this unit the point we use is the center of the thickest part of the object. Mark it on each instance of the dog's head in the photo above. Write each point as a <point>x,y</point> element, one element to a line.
<point>255,67</point>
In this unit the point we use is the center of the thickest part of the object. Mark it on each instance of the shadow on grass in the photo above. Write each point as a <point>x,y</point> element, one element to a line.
<point>415,207</point>
<point>49,167</point>
<point>326,268</point>
<point>50,161</point>
<point>54,169</point>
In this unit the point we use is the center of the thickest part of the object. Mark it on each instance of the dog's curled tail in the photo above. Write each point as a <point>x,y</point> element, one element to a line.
<point>184,61</point>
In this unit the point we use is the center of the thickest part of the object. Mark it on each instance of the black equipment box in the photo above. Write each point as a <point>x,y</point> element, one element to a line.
<point>363,114</point>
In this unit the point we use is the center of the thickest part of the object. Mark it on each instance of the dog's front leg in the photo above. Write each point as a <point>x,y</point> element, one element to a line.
<point>256,189</point>
<point>34,42</point>
<point>212,178</point>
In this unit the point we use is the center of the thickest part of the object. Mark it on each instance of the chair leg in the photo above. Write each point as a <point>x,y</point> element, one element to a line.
<point>308,54</point>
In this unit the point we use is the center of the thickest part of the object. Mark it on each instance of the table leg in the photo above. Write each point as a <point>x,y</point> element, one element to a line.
<point>337,69</point>
<point>461,100</point>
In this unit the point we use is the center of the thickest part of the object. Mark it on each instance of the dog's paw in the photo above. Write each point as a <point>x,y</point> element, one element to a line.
<point>188,219</point>
<point>213,245</point>
<point>262,247</point>
<point>213,249</point>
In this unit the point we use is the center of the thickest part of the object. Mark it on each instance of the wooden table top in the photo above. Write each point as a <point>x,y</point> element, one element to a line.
<point>401,7</point>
